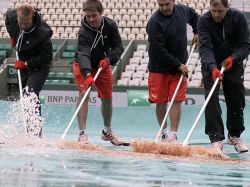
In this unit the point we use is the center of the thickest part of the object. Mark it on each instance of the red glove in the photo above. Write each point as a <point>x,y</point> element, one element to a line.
<point>216,73</point>
<point>228,63</point>
<point>89,81</point>
<point>20,64</point>
<point>12,42</point>
<point>104,63</point>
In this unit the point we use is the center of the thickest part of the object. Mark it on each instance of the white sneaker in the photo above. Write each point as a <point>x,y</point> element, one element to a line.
<point>238,144</point>
<point>164,137</point>
<point>169,137</point>
<point>218,145</point>
<point>83,138</point>
<point>113,138</point>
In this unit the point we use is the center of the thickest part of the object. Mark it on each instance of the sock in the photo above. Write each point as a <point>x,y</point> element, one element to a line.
<point>107,129</point>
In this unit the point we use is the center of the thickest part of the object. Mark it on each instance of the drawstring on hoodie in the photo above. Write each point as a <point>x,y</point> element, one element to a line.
<point>97,33</point>
<point>20,38</point>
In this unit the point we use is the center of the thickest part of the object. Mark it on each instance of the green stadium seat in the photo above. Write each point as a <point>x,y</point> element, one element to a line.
<point>5,47</point>
<point>66,54</point>
<point>60,75</point>
<point>3,54</point>
<point>54,81</point>
<point>55,47</point>
<point>52,75</point>
<point>69,75</point>
<point>65,82</point>
<point>70,48</point>
<point>47,81</point>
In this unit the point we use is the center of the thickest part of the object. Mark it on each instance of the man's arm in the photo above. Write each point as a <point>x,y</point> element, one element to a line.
<point>10,18</point>
<point>242,49</point>
<point>116,46</point>
<point>83,53</point>
<point>192,19</point>
<point>206,45</point>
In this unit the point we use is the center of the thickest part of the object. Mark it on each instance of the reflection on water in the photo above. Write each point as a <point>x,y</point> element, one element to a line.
<point>49,162</point>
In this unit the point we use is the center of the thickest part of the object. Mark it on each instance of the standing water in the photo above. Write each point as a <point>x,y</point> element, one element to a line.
<point>30,161</point>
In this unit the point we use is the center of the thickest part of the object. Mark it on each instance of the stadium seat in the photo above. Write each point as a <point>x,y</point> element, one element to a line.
<point>2,54</point>
<point>134,82</point>
<point>130,23</point>
<point>126,31</point>
<point>78,17</point>
<point>139,37</point>
<point>59,11</point>
<point>60,30</point>
<point>70,48</point>
<point>52,75</point>
<point>57,23</point>
<point>60,75</point>
<point>115,11</point>
<point>138,23</point>
<point>131,36</point>
<point>135,30</point>
<point>55,47</point>
<point>130,67</point>
<point>144,82</point>
<point>142,68</point>
<point>122,82</point>
<point>123,11</point>
<point>51,11</point>
<point>55,35</point>
<point>72,35</point>
<point>64,36</point>
<point>131,11</point>
<point>66,54</point>
<point>126,75</point>
<point>138,75</point>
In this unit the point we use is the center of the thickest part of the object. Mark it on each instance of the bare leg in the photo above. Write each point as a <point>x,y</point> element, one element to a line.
<point>82,114</point>
<point>160,113</point>
<point>106,109</point>
<point>175,115</point>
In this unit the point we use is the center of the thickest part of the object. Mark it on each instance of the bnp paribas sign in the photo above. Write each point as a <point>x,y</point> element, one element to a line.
<point>138,98</point>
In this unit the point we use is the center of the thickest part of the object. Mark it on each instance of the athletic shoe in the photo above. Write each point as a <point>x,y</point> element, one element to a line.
<point>83,138</point>
<point>164,137</point>
<point>172,138</point>
<point>113,138</point>
<point>238,144</point>
<point>218,145</point>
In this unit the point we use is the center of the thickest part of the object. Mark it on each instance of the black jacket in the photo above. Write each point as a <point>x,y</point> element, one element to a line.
<point>35,45</point>
<point>94,45</point>
<point>167,36</point>
<point>218,41</point>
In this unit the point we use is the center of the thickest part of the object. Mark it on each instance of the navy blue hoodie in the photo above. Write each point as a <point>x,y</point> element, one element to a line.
<point>167,36</point>
<point>219,41</point>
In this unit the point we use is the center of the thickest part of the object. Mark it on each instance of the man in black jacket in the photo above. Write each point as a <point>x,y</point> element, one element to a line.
<point>224,41</point>
<point>99,45</point>
<point>31,37</point>
<point>167,36</point>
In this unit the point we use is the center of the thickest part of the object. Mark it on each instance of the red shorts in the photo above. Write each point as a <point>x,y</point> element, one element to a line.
<point>162,87</point>
<point>103,82</point>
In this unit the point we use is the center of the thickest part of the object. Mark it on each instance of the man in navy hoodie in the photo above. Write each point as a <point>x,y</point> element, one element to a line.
<point>224,41</point>
<point>167,36</point>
